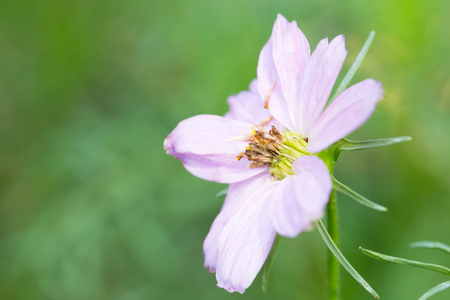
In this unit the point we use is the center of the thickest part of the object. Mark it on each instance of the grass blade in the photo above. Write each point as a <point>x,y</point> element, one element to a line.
<point>337,253</point>
<point>339,187</point>
<point>222,193</point>
<point>348,145</point>
<point>436,289</point>
<point>402,261</point>
<point>268,264</point>
<point>359,58</point>
<point>432,245</point>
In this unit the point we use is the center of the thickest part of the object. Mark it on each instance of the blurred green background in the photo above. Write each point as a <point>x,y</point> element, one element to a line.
<point>92,208</point>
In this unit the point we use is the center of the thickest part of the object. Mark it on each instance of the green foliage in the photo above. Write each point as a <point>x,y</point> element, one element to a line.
<point>439,288</point>
<point>351,72</point>
<point>402,261</point>
<point>339,187</point>
<point>418,264</point>
<point>431,245</point>
<point>342,260</point>
<point>268,264</point>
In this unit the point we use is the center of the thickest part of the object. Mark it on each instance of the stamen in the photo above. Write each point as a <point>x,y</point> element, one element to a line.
<point>290,157</point>
<point>265,121</point>
<point>240,155</point>
<point>285,168</point>
<point>266,101</point>
<point>273,131</point>
<point>257,164</point>
<point>274,150</point>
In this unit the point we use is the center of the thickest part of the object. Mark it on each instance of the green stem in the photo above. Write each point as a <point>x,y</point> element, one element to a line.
<point>334,289</point>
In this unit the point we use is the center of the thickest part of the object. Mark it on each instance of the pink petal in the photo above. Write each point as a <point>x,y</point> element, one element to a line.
<point>247,237</point>
<point>348,112</point>
<point>248,106</point>
<point>290,54</point>
<point>269,82</point>
<point>233,200</point>
<point>317,81</point>
<point>301,198</point>
<point>203,144</point>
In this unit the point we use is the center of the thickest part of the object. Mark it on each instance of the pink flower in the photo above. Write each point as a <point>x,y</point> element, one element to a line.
<point>270,156</point>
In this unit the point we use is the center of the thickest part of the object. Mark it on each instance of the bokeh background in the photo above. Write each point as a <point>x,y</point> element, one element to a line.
<point>92,208</point>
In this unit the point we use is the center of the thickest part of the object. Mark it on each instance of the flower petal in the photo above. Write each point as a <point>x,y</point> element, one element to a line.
<point>290,53</point>
<point>301,198</point>
<point>317,81</point>
<point>203,143</point>
<point>231,204</point>
<point>269,82</point>
<point>248,106</point>
<point>348,112</point>
<point>247,237</point>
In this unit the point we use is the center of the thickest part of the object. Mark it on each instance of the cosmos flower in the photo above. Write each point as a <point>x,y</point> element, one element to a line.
<point>267,148</point>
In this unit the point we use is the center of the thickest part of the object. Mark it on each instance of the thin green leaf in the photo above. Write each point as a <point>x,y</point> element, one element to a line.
<point>339,187</point>
<point>436,289</point>
<point>359,58</point>
<point>222,193</point>
<point>396,260</point>
<point>268,264</point>
<point>348,145</point>
<point>430,244</point>
<point>337,253</point>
